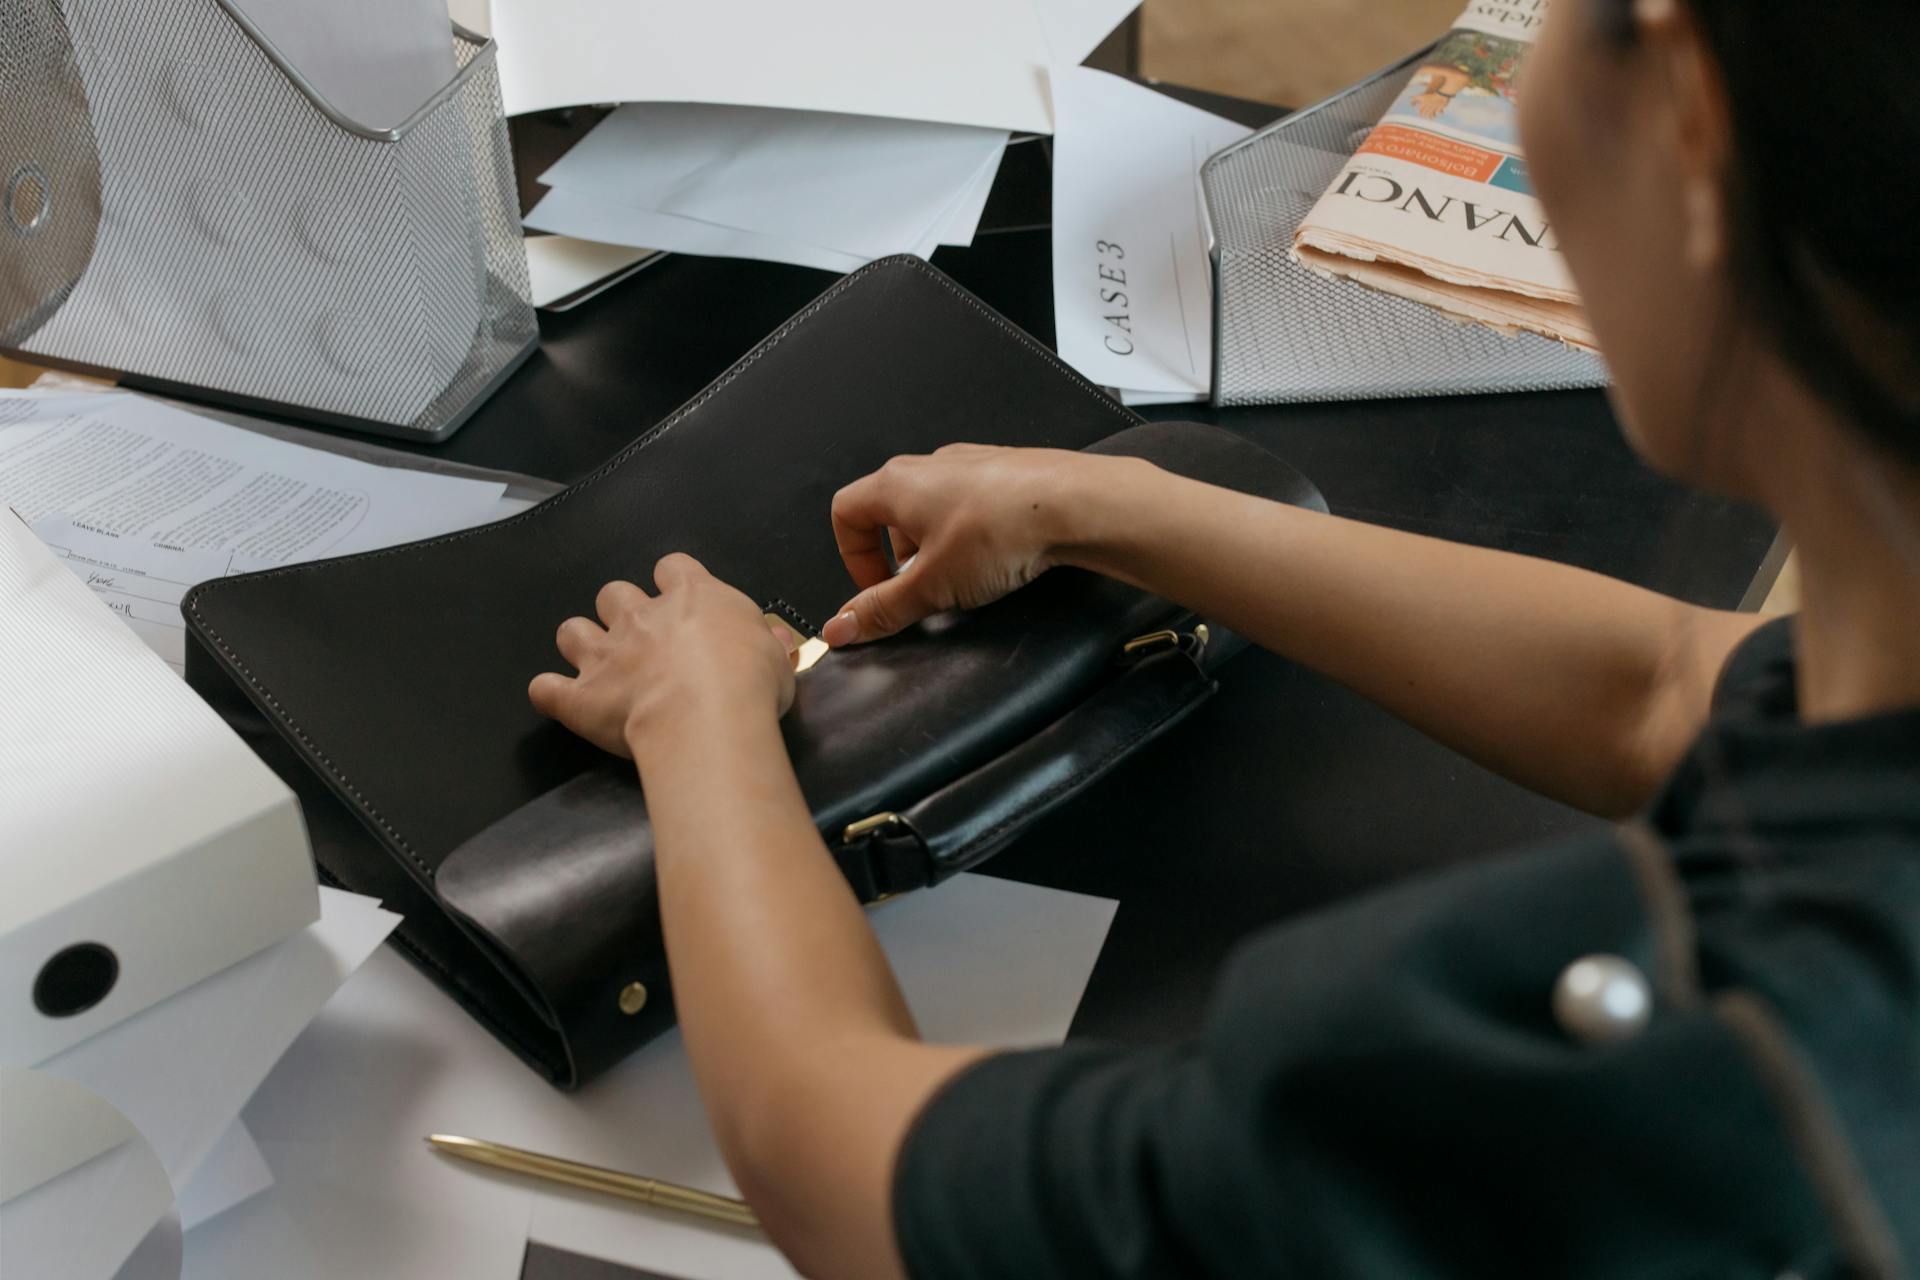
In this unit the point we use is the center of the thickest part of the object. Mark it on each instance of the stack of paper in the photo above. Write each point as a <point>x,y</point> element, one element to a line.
<point>983,62</point>
<point>564,272</point>
<point>180,1073</point>
<point>811,188</point>
<point>824,135</point>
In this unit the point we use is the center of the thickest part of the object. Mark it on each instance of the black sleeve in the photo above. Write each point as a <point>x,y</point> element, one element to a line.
<point>1757,681</point>
<point>1381,1090</point>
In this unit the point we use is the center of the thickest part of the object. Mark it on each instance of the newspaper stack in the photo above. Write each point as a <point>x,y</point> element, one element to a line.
<point>1436,205</point>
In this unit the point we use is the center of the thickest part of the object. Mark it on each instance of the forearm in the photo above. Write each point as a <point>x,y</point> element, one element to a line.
<point>1580,686</point>
<point>806,1056</point>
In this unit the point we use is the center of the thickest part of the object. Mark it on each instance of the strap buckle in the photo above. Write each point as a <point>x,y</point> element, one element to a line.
<point>867,826</point>
<point>1194,642</point>
<point>856,831</point>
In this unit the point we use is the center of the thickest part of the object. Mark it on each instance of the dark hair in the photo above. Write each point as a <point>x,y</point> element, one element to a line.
<point>1825,190</point>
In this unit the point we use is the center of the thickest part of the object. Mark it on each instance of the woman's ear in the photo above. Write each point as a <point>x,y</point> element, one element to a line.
<point>1699,127</point>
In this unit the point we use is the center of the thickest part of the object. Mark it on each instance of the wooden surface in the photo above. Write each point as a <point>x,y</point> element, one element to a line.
<point>14,374</point>
<point>1283,51</point>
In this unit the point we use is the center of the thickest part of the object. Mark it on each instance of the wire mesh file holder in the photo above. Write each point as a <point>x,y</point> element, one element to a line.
<point>1283,334</point>
<point>183,207</point>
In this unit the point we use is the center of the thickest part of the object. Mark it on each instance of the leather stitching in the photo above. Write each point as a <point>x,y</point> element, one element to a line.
<point>793,615</point>
<point>239,668</point>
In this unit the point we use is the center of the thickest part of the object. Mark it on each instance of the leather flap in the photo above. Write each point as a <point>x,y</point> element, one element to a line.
<point>395,681</point>
<point>976,721</point>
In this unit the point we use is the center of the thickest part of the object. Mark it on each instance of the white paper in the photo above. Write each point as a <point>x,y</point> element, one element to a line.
<point>181,1070</point>
<point>856,184</point>
<point>475,15</point>
<point>1075,28</point>
<point>1141,399</point>
<point>978,63</point>
<point>377,62</point>
<point>963,220</point>
<point>51,1127</point>
<point>339,1210</point>
<point>560,266</point>
<point>232,1173</point>
<point>1133,296</point>
<point>144,472</point>
<point>142,585</point>
<point>570,213</point>
<point>143,500</point>
<point>87,1222</point>
<point>158,1255</point>
<point>392,1059</point>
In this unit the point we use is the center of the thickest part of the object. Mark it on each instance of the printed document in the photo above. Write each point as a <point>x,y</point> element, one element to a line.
<point>143,584</point>
<point>145,473</point>
<point>1132,289</point>
<point>144,500</point>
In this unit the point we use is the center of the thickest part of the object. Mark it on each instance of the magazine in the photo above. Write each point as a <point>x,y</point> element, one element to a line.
<point>1436,205</point>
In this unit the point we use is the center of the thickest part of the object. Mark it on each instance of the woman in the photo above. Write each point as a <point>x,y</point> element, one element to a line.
<point>1430,1081</point>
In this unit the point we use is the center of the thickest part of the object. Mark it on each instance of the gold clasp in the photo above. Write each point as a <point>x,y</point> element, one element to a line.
<point>867,826</point>
<point>810,649</point>
<point>1150,643</point>
<point>1154,641</point>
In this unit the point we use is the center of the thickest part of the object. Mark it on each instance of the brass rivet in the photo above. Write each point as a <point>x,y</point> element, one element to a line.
<point>633,998</point>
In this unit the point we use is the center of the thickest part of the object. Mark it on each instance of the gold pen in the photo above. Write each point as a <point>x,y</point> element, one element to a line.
<point>647,1191</point>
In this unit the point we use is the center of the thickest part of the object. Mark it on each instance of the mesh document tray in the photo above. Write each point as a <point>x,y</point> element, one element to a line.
<point>1283,334</point>
<point>187,209</point>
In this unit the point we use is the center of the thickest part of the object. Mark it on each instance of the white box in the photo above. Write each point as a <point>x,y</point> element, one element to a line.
<point>143,846</point>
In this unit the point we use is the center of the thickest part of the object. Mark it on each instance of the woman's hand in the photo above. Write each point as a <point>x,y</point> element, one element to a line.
<point>967,524</point>
<point>698,648</point>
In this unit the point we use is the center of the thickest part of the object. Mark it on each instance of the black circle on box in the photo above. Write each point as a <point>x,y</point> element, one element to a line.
<point>76,979</point>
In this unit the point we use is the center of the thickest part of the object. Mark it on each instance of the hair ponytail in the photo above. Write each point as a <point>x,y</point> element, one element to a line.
<point>1825,191</point>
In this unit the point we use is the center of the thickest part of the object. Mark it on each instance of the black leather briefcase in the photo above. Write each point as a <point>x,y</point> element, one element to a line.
<point>389,688</point>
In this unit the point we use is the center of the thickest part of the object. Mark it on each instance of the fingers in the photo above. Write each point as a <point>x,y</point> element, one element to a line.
<point>578,639</point>
<point>617,598</point>
<point>904,547</point>
<point>862,513</point>
<point>879,611</point>
<point>549,693</point>
<point>678,570</point>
